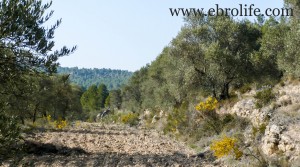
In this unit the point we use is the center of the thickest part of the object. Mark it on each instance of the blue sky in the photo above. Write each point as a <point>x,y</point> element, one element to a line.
<point>124,34</point>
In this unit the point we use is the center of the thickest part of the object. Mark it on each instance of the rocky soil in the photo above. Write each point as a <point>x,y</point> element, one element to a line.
<point>282,120</point>
<point>94,144</point>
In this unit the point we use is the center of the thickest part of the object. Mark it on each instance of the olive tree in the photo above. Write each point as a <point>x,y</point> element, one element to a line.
<point>219,49</point>
<point>26,49</point>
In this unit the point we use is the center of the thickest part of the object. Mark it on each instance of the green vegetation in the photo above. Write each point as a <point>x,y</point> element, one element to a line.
<point>177,120</point>
<point>208,59</point>
<point>245,88</point>
<point>85,78</point>
<point>130,118</point>
<point>9,134</point>
<point>259,130</point>
<point>211,58</point>
<point>114,99</point>
<point>28,88</point>
<point>94,98</point>
<point>264,97</point>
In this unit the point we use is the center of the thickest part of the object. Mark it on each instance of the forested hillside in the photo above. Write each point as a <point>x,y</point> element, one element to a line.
<point>86,77</point>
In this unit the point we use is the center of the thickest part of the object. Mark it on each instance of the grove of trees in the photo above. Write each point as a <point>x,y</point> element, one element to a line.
<point>94,98</point>
<point>210,56</point>
<point>28,87</point>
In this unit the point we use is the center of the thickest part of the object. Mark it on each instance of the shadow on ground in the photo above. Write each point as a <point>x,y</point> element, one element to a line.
<point>41,149</point>
<point>38,154</point>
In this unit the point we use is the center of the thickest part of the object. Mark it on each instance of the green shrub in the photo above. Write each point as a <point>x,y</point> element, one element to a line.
<point>281,83</point>
<point>91,115</point>
<point>262,128</point>
<point>246,88</point>
<point>233,122</point>
<point>221,124</point>
<point>131,118</point>
<point>9,134</point>
<point>227,118</point>
<point>112,117</point>
<point>264,97</point>
<point>259,130</point>
<point>177,119</point>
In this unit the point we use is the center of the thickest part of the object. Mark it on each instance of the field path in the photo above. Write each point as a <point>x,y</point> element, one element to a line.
<point>94,144</point>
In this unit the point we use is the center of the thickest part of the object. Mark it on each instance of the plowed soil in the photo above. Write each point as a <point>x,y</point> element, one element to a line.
<point>95,144</point>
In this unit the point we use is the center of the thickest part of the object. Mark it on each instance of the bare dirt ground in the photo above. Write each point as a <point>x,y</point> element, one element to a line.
<point>94,144</point>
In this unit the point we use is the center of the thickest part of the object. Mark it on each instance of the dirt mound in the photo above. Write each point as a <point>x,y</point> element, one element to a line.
<point>107,145</point>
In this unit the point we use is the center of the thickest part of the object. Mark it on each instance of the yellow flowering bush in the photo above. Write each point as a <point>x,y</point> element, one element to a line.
<point>48,120</point>
<point>59,124</point>
<point>226,146</point>
<point>209,105</point>
<point>207,113</point>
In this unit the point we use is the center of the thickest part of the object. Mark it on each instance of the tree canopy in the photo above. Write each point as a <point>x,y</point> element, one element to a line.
<point>85,77</point>
<point>27,61</point>
<point>219,49</point>
<point>213,56</point>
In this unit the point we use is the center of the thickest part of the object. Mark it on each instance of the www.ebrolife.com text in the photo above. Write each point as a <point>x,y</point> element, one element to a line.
<point>240,10</point>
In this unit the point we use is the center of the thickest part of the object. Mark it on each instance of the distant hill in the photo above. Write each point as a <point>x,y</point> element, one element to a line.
<point>86,77</point>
